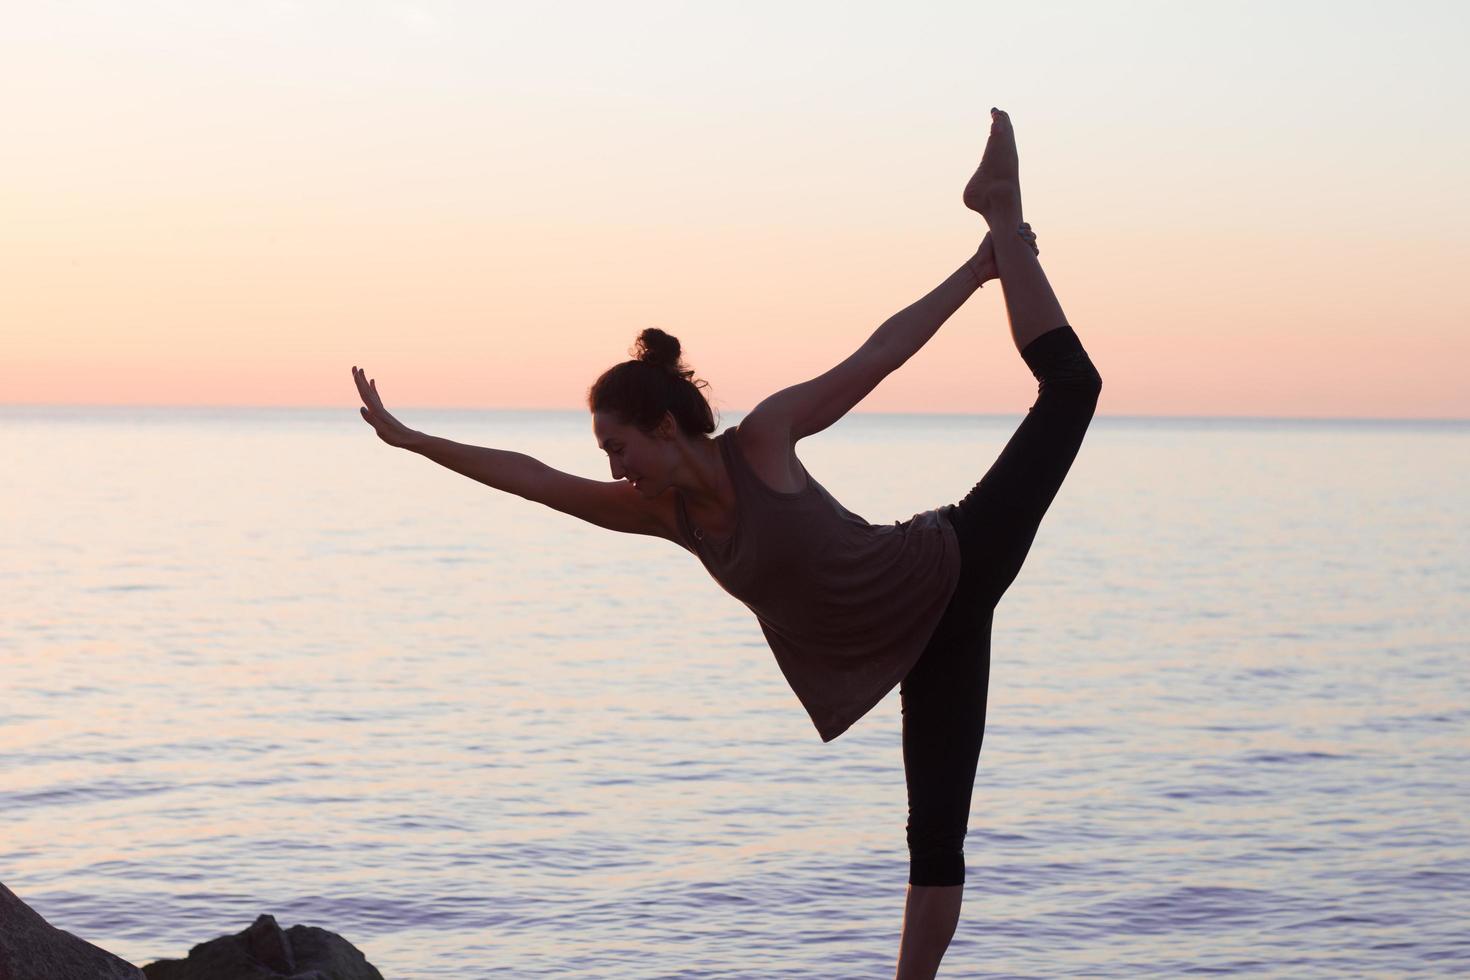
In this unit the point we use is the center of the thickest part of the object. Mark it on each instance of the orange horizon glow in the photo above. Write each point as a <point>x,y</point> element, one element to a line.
<point>223,206</point>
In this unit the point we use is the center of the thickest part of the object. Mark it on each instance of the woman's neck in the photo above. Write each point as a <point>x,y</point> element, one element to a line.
<point>702,475</point>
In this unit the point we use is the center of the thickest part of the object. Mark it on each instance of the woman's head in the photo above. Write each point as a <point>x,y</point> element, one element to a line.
<point>642,407</point>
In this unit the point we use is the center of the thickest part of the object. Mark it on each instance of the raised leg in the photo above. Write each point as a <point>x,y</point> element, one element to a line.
<point>995,192</point>
<point>1004,509</point>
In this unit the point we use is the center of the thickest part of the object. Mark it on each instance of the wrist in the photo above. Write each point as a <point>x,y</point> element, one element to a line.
<point>973,264</point>
<point>982,267</point>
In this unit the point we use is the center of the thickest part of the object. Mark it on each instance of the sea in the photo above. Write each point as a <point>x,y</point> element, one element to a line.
<point>256,661</point>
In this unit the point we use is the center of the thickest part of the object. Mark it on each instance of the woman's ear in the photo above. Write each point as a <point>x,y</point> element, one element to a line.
<point>668,427</point>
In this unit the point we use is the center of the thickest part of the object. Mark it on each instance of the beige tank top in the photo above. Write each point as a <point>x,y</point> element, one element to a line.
<point>846,606</point>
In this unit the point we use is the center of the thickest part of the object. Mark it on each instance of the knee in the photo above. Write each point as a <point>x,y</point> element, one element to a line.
<point>1093,381</point>
<point>1089,387</point>
<point>1058,359</point>
<point>937,869</point>
<point>936,857</point>
<point>1073,371</point>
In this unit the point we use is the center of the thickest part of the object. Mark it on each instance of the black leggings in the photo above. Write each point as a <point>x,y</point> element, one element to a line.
<point>943,696</point>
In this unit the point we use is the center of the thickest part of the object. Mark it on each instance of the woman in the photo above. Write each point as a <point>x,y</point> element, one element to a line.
<point>848,608</point>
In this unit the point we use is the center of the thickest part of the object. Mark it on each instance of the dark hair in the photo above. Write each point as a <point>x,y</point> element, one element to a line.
<point>656,381</point>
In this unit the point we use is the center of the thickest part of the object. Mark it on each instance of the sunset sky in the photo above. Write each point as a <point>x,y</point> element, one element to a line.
<point>1246,209</point>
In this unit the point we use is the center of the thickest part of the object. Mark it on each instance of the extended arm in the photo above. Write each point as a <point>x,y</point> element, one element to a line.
<point>514,473</point>
<point>616,506</point>
<point>801,410</point>
<point>903,334</point>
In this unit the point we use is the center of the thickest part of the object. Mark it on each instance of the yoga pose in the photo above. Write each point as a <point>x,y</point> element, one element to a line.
<point>849,609</point>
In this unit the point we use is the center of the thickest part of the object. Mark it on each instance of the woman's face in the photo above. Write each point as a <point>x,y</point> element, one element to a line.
<point>633,456</point>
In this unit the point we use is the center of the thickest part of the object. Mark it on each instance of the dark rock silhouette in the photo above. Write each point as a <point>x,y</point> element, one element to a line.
<point>265,951</point>
<point>33,949</point>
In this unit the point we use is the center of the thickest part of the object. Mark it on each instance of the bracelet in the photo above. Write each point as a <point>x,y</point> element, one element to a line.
<point>979,282</point>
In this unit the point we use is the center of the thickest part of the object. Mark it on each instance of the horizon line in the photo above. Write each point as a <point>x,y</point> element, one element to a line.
<point>4,406</point>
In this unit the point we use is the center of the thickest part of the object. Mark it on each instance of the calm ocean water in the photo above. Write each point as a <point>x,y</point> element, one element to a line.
<point>257,661</point>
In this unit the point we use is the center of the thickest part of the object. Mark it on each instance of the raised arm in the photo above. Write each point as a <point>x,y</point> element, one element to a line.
<point>616,506</point>
<point>801,410</point>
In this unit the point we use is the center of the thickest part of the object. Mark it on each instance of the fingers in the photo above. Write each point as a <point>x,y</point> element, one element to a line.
<point>359,379</point>
<point>389,429</point>
<point>1030,237</point>
<point>368,389</point>
<point>364,389</point>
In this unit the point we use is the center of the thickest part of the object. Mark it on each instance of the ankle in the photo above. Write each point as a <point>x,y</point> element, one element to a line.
<point>1004,222</point>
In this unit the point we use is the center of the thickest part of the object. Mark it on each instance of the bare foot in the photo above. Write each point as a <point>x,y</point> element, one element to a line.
<point>995,190</point>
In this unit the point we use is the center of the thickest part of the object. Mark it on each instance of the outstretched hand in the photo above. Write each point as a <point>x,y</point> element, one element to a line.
<point>389,429</point>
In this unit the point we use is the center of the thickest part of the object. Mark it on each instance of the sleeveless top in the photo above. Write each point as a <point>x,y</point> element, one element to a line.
<point>846,606</point>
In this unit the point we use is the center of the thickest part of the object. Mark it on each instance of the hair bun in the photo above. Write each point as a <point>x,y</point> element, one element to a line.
<point>644,391</point>
<point>659,349</point>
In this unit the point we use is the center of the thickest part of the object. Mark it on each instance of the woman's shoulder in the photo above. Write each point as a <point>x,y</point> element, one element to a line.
<point>770,455</point>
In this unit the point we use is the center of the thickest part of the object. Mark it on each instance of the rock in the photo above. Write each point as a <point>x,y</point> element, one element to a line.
<point>33,949</point>
<point>267,943</point>
<point>267,952</point>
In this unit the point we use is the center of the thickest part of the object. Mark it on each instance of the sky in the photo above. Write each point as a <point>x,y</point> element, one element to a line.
<point>1246,209</point>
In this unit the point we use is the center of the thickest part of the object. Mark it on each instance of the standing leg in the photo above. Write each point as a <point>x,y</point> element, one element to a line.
<point>944,696</point>
<point>943,702</point>
<point>930,914</point>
